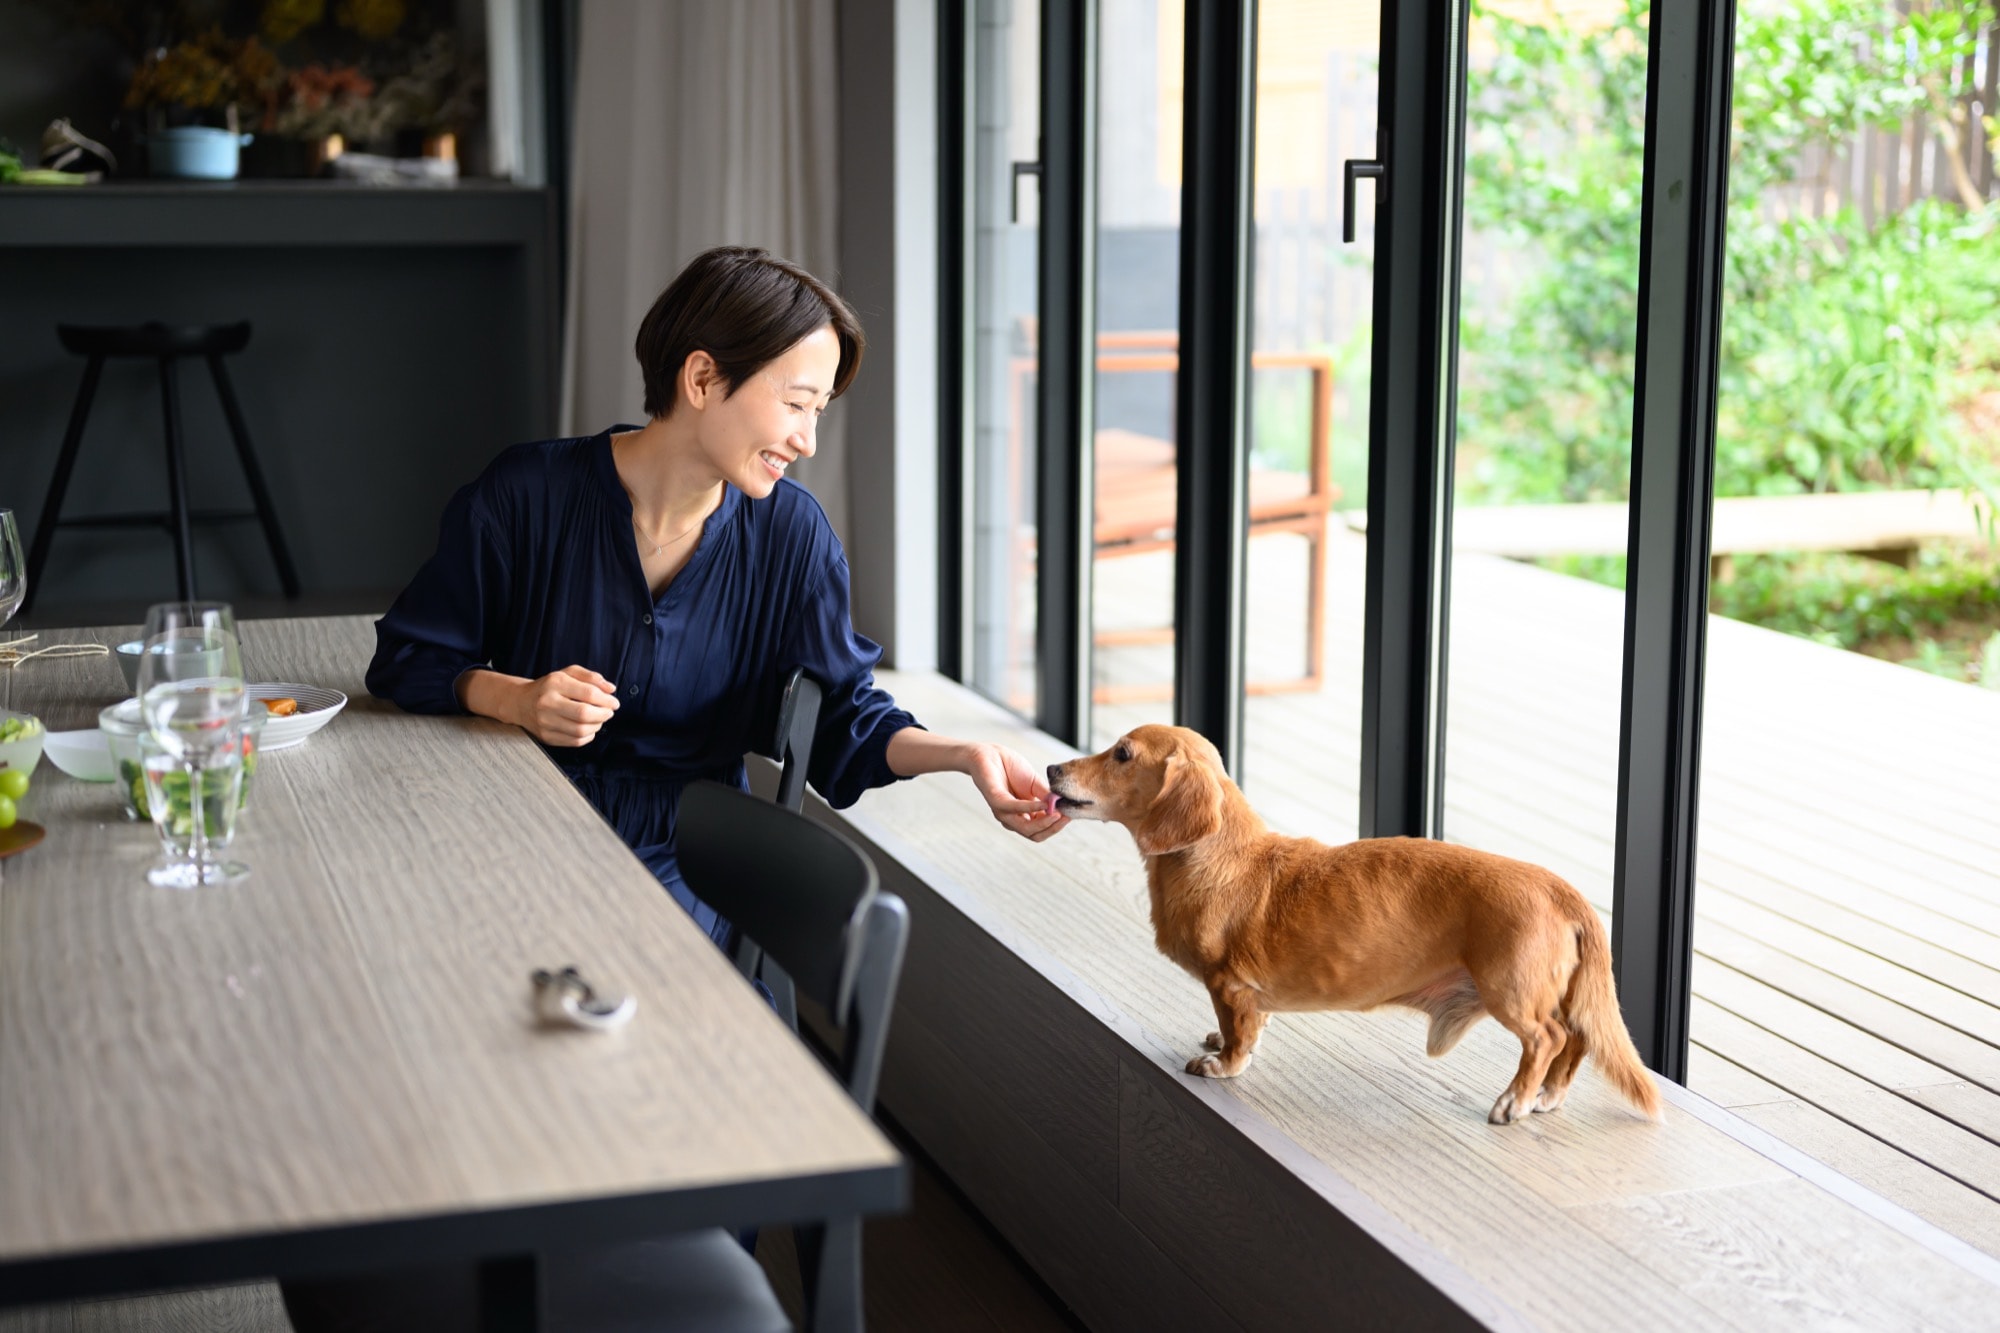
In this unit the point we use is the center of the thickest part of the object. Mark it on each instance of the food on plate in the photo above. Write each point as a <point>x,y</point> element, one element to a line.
<point>281,707</point>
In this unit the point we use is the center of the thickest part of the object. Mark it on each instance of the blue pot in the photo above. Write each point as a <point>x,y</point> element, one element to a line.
<point>195,152</point>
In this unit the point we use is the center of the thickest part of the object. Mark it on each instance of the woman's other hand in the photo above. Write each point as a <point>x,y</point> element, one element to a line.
<point>563,709</point>
<point>1016,792</point>
<point>568,707</point>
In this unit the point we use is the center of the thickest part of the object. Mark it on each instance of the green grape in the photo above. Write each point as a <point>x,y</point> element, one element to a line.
<point>13,783</point>
<point>7,812</point>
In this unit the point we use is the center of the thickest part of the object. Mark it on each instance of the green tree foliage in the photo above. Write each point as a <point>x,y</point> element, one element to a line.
<point>1848,350</point>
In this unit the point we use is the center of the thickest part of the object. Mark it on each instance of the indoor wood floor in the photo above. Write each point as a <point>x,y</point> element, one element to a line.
<point>1847,933</point>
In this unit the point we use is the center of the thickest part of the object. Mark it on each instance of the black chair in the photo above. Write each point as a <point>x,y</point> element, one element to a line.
<point>165,344</point>
<point>810,899</point>
<point>791,745</point>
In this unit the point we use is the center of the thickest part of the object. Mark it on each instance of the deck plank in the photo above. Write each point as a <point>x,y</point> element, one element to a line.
<point>1949,1148</point>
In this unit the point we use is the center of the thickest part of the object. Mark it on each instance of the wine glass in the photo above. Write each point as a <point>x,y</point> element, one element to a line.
<point>13,570</point>
<point>13,578</point>
<point>191,699</point>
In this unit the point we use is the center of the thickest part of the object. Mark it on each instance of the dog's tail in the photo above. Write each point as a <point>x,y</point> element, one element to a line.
<point>1591,1012</point>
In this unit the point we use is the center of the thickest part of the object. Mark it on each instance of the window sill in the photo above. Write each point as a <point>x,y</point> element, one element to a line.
<point>1036,1055</point>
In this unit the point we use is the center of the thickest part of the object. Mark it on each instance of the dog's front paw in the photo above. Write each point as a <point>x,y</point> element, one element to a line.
<point>1506,1111</point>
<point>1214,1066</point>
<point>1212,1042</point>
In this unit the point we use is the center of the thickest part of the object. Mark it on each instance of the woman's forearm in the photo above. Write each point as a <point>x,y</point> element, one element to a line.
<point>491,694</point>
<point>913,751</point>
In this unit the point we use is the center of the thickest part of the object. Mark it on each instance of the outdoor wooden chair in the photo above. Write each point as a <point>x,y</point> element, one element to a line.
<point>1135,496</point>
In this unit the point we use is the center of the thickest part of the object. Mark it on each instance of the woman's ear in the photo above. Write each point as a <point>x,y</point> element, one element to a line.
<point>701,379</point>
<point>1188,808</point>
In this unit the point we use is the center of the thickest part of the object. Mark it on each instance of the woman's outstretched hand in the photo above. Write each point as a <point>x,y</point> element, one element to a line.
<point>1015,791</point>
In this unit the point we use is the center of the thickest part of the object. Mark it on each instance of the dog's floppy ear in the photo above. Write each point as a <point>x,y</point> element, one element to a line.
<point>1188,808</point>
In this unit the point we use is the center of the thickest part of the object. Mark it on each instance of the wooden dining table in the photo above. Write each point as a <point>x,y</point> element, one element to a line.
<point>336,1064</point>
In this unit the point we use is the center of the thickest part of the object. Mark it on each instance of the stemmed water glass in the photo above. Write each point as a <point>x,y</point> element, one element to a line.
<point>13,570</point>
<point>191,698</point>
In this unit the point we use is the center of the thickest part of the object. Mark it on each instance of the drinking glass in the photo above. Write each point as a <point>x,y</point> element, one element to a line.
<point>191,699</point>
<point>13,570</point>
<point>189,806</point>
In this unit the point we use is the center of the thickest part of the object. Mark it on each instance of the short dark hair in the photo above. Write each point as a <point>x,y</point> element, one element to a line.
<point>745,308</point>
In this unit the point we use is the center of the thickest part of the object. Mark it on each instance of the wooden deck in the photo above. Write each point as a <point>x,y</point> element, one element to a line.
<point>1847,935</point>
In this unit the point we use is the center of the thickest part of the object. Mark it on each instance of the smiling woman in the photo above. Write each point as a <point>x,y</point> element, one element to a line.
<point>633,599</point>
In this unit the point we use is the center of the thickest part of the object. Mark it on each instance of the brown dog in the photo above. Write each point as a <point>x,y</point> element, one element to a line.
<point>1270,923</point>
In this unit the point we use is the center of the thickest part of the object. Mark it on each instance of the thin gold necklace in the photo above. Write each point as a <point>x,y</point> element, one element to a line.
<point>669,541</point>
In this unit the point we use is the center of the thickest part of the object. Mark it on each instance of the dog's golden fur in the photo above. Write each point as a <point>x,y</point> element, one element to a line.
<point>1270,923</point>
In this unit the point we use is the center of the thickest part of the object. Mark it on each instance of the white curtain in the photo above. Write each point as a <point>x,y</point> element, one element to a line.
<point>698,123</point>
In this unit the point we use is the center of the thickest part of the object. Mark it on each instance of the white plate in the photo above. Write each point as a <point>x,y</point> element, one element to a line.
<point>81,754</point>
<point>317,706</point>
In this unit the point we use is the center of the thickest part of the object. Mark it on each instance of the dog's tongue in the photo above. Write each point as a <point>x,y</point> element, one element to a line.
<point>1051,804</point>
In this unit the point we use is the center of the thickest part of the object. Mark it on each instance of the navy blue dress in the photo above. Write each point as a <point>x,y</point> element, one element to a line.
<point>537,568</point>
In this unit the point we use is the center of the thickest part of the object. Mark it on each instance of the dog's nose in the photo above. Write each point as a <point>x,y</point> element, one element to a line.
<point>1055,773</point>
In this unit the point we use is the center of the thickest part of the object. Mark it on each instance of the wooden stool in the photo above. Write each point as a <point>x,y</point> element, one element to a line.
<point>166,344</point>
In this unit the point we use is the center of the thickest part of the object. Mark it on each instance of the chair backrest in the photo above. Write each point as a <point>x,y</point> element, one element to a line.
<point>791,740</point>
<point>809,899</point>
<point>790,743</point>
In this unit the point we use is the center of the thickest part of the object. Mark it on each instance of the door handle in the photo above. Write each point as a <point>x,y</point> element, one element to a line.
<point>1353,170</point>
<point>1014,187</point>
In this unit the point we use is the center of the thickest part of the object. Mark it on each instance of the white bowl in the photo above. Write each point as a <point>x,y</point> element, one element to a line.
<point>81,754</point>
<point>317,706</point>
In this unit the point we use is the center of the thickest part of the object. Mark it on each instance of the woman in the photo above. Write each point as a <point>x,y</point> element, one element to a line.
<point>634,599</point>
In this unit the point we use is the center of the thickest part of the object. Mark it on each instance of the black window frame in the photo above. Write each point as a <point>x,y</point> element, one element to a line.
<point>1405,631</point>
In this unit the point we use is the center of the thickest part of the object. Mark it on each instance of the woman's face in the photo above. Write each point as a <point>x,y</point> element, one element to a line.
<point>772,420</point>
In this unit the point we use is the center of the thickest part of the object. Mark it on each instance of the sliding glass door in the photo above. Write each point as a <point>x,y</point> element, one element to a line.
<point>1234,459</point>
<point>1002,240</point>
<point>1555,134</point>
<point>1312,315</point>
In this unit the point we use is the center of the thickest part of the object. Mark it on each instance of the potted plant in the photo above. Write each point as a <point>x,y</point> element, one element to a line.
<point>194,96</point>
<point>319,112</point>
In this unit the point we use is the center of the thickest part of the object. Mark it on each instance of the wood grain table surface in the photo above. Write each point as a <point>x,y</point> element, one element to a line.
<point>336,1062</point>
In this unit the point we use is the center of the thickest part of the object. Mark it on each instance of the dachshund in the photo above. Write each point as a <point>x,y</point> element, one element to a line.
<point>1271,924</point>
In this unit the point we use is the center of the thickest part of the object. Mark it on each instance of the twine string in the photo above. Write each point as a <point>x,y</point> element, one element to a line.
<point>15,651</point>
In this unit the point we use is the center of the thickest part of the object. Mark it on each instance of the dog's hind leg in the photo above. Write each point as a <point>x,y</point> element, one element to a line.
<point>1555,1085</point>
<point>1241,1025</point>
<point>1543,1037</point>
